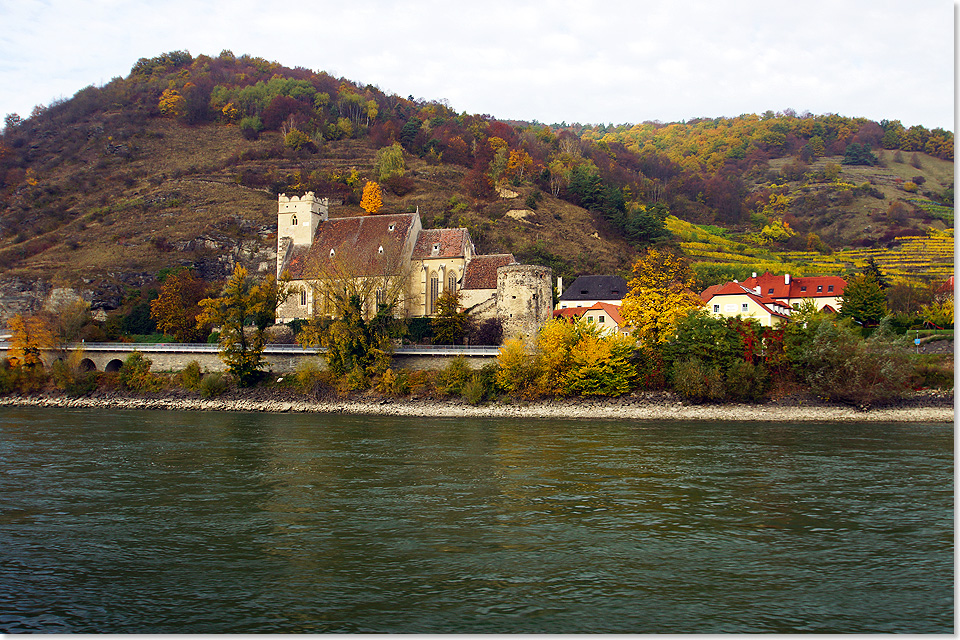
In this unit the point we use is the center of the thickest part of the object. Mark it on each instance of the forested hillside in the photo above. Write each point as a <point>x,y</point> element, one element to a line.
<point>179,163</point>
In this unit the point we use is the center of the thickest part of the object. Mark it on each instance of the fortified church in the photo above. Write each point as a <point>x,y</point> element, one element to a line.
<point>392,254</point>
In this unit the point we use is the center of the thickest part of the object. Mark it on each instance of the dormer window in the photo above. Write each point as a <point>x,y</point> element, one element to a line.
<point>829,288</point>
<point>770,290</point>
<point>380,250</point>
<point>436,247</point>
<point>803,288</point>
<point>332,253</point>
<point>819,288</point>
<point>393,225</point>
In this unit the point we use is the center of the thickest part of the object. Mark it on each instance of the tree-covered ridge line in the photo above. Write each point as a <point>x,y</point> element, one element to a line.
<point>639,159</point>
<point>711,142</point>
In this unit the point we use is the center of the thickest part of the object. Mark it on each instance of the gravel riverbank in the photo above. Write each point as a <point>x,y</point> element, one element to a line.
<point>923,407</point>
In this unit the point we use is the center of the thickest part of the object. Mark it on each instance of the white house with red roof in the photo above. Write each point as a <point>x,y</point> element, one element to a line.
<point>605,315</point>
<point>735,299</point>
<point>770,298</point>
<point>825,291</point>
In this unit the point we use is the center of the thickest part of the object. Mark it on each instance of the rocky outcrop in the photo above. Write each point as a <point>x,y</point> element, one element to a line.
<point>213,256</point>
<point>22,296</point>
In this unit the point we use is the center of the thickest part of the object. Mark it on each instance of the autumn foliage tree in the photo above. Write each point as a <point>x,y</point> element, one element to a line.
<point>660,295</point>
<point>172,104</point>
<point>31,337</point>
<point>518,164</point>
<point>176,309</point>
<point>568,359</point>
<point>242,312</point>
<point>372,200</point>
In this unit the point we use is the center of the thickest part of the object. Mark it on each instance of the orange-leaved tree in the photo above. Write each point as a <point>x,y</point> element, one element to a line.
<point>176,308</point>
<point>31,336</point>
<point>372,200</point>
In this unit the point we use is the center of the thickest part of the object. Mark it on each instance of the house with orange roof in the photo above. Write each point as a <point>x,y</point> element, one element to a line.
<point>736,299</point>
<point>605,315</point>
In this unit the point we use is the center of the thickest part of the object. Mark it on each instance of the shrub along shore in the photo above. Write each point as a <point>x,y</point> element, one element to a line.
<point>925,406</point>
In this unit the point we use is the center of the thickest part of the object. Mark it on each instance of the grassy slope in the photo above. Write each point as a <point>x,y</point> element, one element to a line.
<point>865,217</point>
<point>95,213</point>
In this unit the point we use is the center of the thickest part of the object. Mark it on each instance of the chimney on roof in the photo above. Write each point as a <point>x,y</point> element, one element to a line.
<point>757,289</point>
<point>786,278</point>
<point>754,274</point>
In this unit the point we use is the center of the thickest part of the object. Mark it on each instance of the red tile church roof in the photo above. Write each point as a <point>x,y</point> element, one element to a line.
<point>481,271</point>
<point>450,243</point>
<point>356,243</point>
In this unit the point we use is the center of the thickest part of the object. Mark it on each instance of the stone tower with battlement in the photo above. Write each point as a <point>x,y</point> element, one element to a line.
<point>299,217</point>
<point>524,299</point>
<point>297,221</point>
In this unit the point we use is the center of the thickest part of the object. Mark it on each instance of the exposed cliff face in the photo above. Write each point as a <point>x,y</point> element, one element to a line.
<point>22,296</point>
<point>216,255</point>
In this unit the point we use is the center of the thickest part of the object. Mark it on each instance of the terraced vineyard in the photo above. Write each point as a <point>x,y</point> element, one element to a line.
<point>914,259</point>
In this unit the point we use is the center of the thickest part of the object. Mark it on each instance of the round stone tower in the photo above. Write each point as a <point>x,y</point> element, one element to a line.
<point>524,299</point>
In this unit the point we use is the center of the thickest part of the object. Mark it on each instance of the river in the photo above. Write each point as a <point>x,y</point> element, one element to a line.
<point>218,522</point>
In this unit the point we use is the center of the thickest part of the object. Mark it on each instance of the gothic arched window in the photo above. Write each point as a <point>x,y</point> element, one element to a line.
<point>434,293</point>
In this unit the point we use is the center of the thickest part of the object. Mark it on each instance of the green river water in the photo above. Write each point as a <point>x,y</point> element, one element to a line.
<point>179,522</point>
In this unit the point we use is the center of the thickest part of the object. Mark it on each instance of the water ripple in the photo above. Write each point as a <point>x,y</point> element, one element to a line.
<point>159,522</point>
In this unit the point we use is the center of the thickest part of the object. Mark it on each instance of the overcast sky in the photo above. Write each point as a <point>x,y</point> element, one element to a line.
<point>581,61</point>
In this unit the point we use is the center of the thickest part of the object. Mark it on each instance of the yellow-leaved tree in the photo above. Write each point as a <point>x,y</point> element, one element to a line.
<point>568,359</point>
<point>660,295</point>
<point>372,200</point>
<point>172,104</point>
<point>30,338</point>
